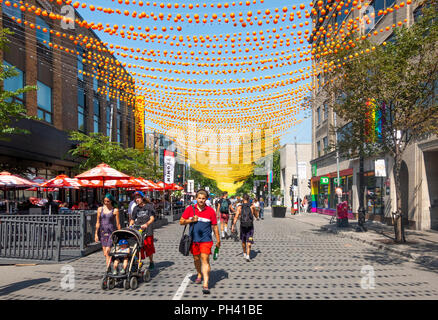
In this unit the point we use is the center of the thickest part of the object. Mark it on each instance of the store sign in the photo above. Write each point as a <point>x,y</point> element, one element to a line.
<point>335,180</point>
<point>379,168</point>
<point>324,180</point>
<point>169,166</point>
<point>314,170</point>
<point>302,171</point>
<point>190,186</point>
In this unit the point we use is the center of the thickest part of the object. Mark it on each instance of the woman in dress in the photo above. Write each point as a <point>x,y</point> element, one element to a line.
<point>107,221</point>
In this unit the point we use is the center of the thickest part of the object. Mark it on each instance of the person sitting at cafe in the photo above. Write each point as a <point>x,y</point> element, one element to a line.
<point>51,206</point>
<point>63,206</point>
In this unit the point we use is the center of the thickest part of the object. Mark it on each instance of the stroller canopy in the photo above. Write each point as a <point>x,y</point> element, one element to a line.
<point>127,233</point>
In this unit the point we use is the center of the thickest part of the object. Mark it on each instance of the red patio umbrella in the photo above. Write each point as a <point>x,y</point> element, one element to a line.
<point>11,181</point>
<point>102,172</point>
<point>109,184</point>
<point>62,181</point>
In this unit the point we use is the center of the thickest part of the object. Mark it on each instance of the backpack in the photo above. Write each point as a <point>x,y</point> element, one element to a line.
<point>246,217</point>
<point>225,206</point>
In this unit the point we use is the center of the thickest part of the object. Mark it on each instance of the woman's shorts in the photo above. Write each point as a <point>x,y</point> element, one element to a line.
<point>201,247</point>
<point>225,217</point>
<point>148,247</point>
<point>247,234</point>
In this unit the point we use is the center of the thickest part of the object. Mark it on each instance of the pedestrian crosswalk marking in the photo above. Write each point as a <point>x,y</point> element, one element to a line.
<point>179,293</point>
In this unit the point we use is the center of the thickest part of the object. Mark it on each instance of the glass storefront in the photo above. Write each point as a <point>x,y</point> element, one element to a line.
<point>374,194</point>
<point>323,196</point>
<point>347,191</point>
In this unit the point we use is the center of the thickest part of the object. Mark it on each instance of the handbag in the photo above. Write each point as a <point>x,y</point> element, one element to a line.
<point>186,241</point>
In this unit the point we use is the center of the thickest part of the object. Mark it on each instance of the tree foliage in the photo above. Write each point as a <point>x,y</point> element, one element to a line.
<point>10,110</point>
<point>96,148</point>
<point>203,182</point>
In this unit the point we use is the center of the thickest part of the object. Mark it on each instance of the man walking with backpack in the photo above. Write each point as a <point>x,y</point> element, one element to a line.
<point>223,209</point>
<point>246,212</point>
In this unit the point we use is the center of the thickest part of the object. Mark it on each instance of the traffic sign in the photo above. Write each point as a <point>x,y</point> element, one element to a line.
<point>324,180</point>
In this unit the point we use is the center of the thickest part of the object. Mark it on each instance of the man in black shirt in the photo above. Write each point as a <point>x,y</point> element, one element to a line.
<point>143,216</point>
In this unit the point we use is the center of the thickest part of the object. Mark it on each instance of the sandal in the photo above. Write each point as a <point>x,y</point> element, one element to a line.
<point>198,280</point>
<point>205,290</point>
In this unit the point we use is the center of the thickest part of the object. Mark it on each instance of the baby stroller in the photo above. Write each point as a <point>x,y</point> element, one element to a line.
<point>133,273</point>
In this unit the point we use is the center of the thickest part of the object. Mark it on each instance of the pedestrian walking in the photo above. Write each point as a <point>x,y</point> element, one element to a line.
<point>223,209</point>
<point>107,221</point>
<point>203,220</point>
<point>143,216</point>
<point>262,209</point>
<point>133,203</point>
<point>256,204</point>
<point>246,213</point>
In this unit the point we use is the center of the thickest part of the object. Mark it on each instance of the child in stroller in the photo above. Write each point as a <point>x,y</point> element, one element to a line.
<point>123,249</point>
<point>127,244</point>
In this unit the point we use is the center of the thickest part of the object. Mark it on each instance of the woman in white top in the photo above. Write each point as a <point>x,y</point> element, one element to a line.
<point>256,204</point>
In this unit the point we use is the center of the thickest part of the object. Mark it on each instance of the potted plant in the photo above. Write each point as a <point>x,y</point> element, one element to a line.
<point>278,211</point>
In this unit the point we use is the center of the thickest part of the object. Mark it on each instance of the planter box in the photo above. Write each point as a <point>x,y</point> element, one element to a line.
<point>278,212</point>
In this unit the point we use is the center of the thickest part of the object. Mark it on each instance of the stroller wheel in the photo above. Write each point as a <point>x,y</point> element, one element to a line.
<point>147,276</point>
<point>111,283</point>
<point>104,283</point>
<point>133,283</point>
<point>126,284</point>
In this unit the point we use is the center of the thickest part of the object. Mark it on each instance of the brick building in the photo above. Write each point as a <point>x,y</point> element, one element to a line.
<point>69,96</point>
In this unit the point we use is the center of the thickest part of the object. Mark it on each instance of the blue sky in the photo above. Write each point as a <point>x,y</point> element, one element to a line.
<point>301,131</point>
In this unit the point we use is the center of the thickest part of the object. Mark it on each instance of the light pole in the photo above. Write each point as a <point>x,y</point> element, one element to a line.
<point>298,178</point>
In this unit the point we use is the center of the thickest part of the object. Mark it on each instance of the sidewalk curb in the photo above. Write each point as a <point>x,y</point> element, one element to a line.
<point>413,257</point>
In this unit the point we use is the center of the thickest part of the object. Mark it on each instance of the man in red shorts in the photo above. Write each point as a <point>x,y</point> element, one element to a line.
<point>203,220</point>
<point>143,215</point>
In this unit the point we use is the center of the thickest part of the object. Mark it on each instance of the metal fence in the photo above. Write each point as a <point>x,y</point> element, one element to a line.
<point>39,240</point>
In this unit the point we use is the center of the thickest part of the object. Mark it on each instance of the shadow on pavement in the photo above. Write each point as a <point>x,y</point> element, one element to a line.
<point>21,285</point>
<point>254,253</point>
<point>159,266</point>
<point>216,276</point>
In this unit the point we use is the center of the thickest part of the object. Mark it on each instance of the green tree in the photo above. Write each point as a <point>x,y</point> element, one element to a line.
<point>10,110</point>
<point>96,148</point>
<point>398,82</point>
<point>203,181</point>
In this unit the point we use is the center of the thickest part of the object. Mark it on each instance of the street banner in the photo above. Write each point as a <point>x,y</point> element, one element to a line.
<point>169,166</point>
<point>139,124</point>
<point>302,171</point>
<point>190,186</point>
<point>269,178</point>
<point>379,168</point>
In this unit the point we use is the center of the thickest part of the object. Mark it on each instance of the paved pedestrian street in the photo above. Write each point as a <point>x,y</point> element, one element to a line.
<point>290,260</point>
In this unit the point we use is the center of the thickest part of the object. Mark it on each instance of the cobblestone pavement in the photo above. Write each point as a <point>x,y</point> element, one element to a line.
<point>290,260</point>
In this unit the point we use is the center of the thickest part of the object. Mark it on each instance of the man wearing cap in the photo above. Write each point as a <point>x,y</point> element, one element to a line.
<point>143,216</point>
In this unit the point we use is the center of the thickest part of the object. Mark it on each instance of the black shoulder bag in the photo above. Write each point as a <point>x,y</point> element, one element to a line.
<point>186,240</point>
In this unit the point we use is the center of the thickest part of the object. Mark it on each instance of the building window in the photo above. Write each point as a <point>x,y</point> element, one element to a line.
<point>81,109</point>
<point>318,148</point>
<point>96,114</point>
<point>44,101</point>
<point>325,111</point>
<point>14,83</point>
<point>325,144</point>
<point>108,121</point>
<point>119,127</point>
<point>40,34</point>
<point>80,64</point>
<point>95,84</point>
<point>318,114</point>
<point>13,10</point>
